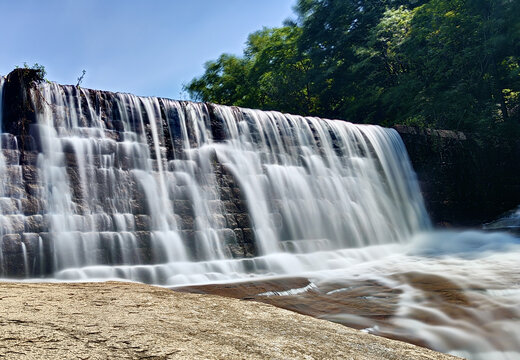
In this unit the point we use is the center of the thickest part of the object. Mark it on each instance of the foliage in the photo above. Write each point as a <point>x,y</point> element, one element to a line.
<point>451,64</point>
<point>270,75</point>
<point>40,70</point>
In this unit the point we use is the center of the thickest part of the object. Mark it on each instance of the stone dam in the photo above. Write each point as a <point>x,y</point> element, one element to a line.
<point>101,185</point>
<point>109,185</point>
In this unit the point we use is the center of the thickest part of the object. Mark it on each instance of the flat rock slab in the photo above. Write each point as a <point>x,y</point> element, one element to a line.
<point>116,320</point>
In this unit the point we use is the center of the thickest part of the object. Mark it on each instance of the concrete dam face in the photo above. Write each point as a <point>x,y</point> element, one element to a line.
<point>100,185</point>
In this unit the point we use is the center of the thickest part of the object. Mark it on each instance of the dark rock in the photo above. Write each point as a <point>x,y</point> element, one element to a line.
<point>183,207</point>
<point>18,109</point>
<point>249,236</point>
<point>29,158</point>
<point>35,224</point>
<point>464,181</point>
<point>243,220</point>
<point>30,173</point>
<point>226,193</point>
<point>142,222</point>
<point>231,221</point>
<point>12,157</point>
<point>11,244</point>
<point>31,205</point>
<point>230,207</point>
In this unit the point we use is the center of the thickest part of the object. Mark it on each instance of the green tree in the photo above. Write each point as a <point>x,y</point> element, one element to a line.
<point>438,63</point>
<point>456,51</point>
<point>225,81</point>
<point>333,33</point>
<point>270,75</point>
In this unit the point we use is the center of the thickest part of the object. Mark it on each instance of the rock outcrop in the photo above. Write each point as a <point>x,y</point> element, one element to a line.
<point>132,321</point>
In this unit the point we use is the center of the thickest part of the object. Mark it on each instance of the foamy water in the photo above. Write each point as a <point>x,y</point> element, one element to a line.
<point>333,201</point>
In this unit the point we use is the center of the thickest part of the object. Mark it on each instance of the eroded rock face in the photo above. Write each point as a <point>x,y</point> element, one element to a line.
<point>131,321</point>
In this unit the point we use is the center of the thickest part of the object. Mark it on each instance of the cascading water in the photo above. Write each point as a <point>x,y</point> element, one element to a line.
<point>114,186</point>
<point>150,195</point>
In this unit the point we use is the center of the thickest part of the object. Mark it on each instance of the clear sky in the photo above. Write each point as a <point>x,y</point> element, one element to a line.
<point>145,47</point>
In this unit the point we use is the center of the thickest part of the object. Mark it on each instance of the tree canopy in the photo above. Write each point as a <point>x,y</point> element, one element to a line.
<point>452,64</point>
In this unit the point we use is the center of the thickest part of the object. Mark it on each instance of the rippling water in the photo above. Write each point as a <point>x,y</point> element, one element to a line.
<point>136,196</point>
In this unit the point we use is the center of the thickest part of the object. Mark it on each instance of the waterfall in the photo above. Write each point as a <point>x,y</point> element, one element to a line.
<point>171,192</point>
<point>97,185</point>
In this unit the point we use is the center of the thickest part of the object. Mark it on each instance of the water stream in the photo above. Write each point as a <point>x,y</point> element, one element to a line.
<point>174,193</point>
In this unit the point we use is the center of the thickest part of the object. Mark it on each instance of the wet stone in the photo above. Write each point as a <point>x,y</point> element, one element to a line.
<point>239,235</point>
<point>249,250</point>
<point>107,146</point>
<point>231,221</point>
<point>137,206</point>
<point>11,244</point>
<point>11,157</point>
<point>13,174</point>
<point>230,207</point>
<point>13,190</point>
<point>187,236</point>
<point>30,173</point>
<point>8,206</point>
<point>31,241</point>
<point>237,251</point>
<point>183,207</point>
<point>219,220</point>
<point>113,135</point>
<point>227,235</point>
<point>142,222</point>
<point>226,193</point>
<point>8,141</point>
<point>13,265</point>
<point>241,206</point>
<point>31,205</point>
<point>249,237</point>
<point>243,220</point>
<point>35,224</point>
<point>34,189</point>
<point>11,224</point>
<point>29,158</point>
<point>237,193</point>
<point>186,222</point>
<point>143,239</point>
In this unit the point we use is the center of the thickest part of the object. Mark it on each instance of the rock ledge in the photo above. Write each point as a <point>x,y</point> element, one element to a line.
<point>116,320</point>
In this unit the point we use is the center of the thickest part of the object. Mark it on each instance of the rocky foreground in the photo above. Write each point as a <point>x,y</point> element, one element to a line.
<point>116,320</point>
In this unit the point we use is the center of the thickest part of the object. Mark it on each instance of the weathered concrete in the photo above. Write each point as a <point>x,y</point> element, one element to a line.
<point>465,181</point>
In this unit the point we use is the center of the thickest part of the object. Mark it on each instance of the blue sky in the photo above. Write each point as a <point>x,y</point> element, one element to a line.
<point>145,47</point>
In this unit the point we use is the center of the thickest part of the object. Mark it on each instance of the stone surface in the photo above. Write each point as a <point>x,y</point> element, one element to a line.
<point>465,181</point>
<point>132,321</point>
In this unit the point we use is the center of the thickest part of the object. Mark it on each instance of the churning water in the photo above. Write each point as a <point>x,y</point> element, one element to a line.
<point>174,193</point>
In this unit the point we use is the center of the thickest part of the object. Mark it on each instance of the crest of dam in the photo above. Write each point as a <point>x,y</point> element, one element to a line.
<point>102,185</point>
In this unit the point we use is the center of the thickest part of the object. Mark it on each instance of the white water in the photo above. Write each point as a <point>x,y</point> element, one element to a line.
<point>481,320</point>
<point>326,199</point>
<point>308,184</point>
